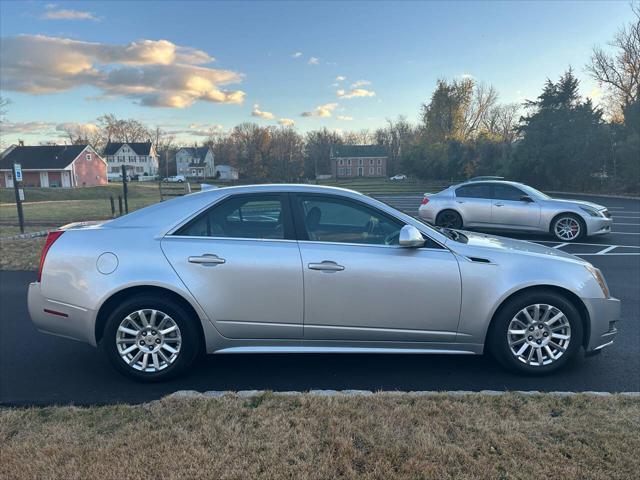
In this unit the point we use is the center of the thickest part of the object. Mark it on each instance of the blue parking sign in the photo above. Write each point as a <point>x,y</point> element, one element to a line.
<point>18,169</point>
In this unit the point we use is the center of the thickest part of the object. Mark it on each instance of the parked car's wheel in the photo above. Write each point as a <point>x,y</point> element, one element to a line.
<point>150,339</point>
<point>449,219</point>
<point>568,227</point>
<point>536,333</point>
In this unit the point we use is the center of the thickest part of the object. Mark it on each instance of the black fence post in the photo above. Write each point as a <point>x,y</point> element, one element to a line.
<point>113,206</point>
<point>124,188</point>
<point>120,204</point>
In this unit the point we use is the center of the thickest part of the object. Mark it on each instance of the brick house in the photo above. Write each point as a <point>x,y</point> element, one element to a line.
<point>54,166</point>
<point>349,161</point>
<point>195,162</point>
<point>139,158</point>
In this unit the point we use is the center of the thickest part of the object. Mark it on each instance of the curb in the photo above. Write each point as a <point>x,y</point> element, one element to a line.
<point>41,233</point>
<point>367,393</point>
<point>601,195</point>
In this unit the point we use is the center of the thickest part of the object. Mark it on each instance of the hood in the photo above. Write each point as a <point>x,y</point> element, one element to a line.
<point>490,243</point>
<point>579,203</point>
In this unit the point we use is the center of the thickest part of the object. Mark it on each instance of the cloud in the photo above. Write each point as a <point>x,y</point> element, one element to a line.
<point>466,76</point>
<point>595,93</point>
<point>287,122</point>
<point>313,61</point>
<point>154,73</point>
<point>340,78</point>
<point>256,112</point>
<point>360,83</point>
<point>77,127</point>
<point>52,14</point>
<point>321,110</point>
<point>355,92</point>
<point>197,130</point>
<point>27,128</point>
<point>297,55</point>
<point>345,118</point>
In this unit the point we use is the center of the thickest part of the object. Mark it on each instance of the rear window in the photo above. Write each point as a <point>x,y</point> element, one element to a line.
<point>474,191</point>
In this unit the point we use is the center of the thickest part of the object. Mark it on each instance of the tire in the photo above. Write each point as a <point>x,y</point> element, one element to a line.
<point>505,346</point>
<point>449,219</point>
<point>568,223</point>
<point>162,363</point>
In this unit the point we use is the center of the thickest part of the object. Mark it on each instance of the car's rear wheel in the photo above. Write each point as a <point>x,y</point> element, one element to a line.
<point>536,333</point>
<point>568,227</point>
<point>150,339</point>
<point>449,219</point>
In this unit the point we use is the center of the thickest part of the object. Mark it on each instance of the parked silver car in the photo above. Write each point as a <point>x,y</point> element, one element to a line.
<point>513,206</point>
<point>297,268</point>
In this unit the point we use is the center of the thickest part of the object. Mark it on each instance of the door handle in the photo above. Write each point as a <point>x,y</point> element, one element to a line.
<point>207,259</point>
<point>499,204</point>
<point>326,266</point>
<point>459,201</point>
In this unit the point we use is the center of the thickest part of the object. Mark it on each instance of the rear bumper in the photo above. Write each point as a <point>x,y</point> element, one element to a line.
<point>598,226</point>
<point>604,314</point>
<point>61,319</point>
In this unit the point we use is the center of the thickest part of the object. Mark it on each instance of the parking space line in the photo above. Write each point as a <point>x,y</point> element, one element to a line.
<point>560,246</point>
<point>590,244</point>
<point>626,233</point>
<point>607,255</point>
<point>616,223</point>
<point>608,249</point>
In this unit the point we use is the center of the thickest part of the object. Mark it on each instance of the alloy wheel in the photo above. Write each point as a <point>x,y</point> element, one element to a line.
<point>449,220</point>
<point>148,340</point>
<point>567,228</point>
<point>539,334</point>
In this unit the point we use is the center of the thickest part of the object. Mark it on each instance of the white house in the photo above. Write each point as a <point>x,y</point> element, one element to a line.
<point>140,158</point>
<point>226,172</point>
<point>195,162</point>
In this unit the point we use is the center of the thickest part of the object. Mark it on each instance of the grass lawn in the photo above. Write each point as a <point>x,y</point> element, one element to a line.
<point>311,437</point>
<point>20,254</point>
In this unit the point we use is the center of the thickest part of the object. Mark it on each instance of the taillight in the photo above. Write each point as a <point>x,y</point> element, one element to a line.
<point>51,238</point>
<point>425,200</point>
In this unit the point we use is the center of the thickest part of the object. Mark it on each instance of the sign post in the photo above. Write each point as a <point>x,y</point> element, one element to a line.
<point>17,177</point>
<point>125,191</point>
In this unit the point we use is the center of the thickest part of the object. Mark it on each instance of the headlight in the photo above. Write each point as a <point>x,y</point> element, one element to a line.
<point>590,211</point>
<point>597,274</point>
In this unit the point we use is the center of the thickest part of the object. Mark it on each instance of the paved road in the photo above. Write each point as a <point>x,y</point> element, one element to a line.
<point>37,369</point>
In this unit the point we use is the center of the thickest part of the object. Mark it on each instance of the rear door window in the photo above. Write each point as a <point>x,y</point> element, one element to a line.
<point>475,191</point>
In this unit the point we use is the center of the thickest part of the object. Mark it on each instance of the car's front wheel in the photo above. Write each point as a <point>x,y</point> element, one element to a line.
<point>148,338</point>
<point>536,333</point>
<point>568,227</point>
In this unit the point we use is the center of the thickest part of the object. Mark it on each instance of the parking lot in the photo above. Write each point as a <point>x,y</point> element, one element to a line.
<point>40,369</point>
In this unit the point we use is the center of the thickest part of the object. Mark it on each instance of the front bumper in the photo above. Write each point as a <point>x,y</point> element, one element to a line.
<point>598,225</point>
<point>604,314</point>
<point>61,319</point>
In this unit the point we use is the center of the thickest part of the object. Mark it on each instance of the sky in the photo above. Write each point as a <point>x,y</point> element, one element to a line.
<point>196,67</point>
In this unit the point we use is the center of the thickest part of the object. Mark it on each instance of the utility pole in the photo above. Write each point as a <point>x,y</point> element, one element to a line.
<point>17,177</point>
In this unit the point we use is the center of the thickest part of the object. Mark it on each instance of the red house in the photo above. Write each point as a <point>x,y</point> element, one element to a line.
<point>54,166</point>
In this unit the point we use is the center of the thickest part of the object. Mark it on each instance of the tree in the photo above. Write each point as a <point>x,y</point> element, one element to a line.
<point>120,130</point>
<point>318,150</point>
<point>396,137</point>
<point>287,154</point>
<point>563,140</point>
<point>4,103</point>
<point>619,71</point>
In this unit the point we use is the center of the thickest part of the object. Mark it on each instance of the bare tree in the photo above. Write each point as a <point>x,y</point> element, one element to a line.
<point>4,103</point>
<point>619,70</point>
<point>501,122</point>
<point>483,100</point>
<point>119,130</point>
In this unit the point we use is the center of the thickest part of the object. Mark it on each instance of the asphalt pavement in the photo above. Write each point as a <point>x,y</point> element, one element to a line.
<point>38,369</point>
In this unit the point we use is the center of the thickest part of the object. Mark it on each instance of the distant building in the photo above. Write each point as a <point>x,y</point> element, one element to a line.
<point>195,162</point>
<point>139,158</point>
<point>226,172</point>
<point>54,166</point>
<point>349,161</point>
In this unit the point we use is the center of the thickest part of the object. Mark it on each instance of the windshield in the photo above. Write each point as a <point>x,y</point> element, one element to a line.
<point>534,193</point>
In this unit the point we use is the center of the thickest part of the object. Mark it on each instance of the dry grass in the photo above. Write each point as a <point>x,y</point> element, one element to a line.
<point>384,436</point>
<point>20,254</point>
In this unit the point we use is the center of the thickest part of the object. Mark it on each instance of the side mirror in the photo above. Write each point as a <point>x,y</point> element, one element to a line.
<point>526,198</point>
<point>410,237</point>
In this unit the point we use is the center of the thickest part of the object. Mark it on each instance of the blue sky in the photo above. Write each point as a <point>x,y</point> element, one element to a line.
<point>78,68</point>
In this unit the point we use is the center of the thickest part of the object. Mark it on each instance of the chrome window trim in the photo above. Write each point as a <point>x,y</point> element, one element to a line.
<point>170,232</point>
<point>398,247</point>
<point>205,237</point>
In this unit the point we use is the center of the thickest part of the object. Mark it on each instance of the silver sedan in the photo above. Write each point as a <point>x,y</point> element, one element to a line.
<point>292,268</point>
<point>513,206</point>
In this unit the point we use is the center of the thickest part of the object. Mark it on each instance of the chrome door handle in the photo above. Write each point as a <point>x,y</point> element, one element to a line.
<point>326,266</point>
<point>207,259</point>
<point>459,201</point>
<point>499,204</point>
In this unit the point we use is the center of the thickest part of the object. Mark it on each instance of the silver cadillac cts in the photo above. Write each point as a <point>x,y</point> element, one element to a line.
<point>506,205</point>
<point>298,268</point>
